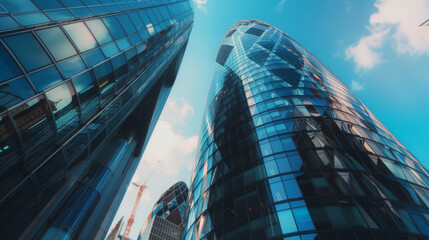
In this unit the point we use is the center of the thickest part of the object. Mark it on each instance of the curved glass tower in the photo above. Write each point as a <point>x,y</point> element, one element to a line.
<point>167,218</point>
<point>287,151</point>
<point>82,84</point>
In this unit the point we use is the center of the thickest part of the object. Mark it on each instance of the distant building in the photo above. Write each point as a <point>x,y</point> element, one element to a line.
<point>424,30</point>
<point>287,151</point>
<point>114,234</point>
<point>166,220</point>
<point>82,85</point>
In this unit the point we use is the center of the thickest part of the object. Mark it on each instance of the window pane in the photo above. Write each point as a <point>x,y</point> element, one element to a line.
<point>303,219</point>
<point>19,6</point>
<point>93,57</point>
<point>137,20</point>
<point>32,18</point>
<point>49,4</point>
<point>82,12</point>
<point>287,222</point>
<point>110,49</point>
<point>8,67</point>
<point>81,36</point>
<point>10,152</point>
<point>64,107</point>
<point>24,43</point>
<point>7,22</point>
<point>60,15</point>
<point>292,189</point>
<point>45,78</point>
<point>115,27</point>
<point>127,23</point>
<point>100,31</point>
<point>278,192</point>
<point>87,90</point>
<point>57,43</point>
<point>106,80</point>
<point>72,66</point>
<point>14,92</point>
<point>73,3</point>
<point>33,120</point>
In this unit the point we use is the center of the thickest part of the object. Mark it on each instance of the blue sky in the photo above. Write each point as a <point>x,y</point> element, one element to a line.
<point>373,46</point>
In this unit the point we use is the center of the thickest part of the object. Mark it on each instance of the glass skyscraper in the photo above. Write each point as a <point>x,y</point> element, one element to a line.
<point>82,84</point>
<point>166,220</point>
<point>287,151</point>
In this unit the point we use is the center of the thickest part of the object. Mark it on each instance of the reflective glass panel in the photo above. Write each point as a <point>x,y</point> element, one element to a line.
<point>287,221</point>
<point>81,36</point>
<point>115,27</point>
<point>60,15</point>
<point>93,57</point>
<point>7,22</point>
<point>87,89</point>
<point>57,43</point>
<point>33,120</point>
<point>25,43</point>
<point>127,23</point>
<point>14,92</point>
<point>8,67</point>
<point>100,31</point>
<point>45,78</point>
<point>49,4</point>
<point>110,49</point>
<point>10,153</point>
<point>72,66</point>
<point>32,18</point>
<point>21,6</point>
<point>64,107</point>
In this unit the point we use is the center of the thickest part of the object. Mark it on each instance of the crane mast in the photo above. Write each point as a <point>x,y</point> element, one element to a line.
<point>142,187</point>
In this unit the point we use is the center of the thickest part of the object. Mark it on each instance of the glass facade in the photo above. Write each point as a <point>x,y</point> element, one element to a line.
<point>287,151</point>
<point>166,220</point>
<point>71,73</point>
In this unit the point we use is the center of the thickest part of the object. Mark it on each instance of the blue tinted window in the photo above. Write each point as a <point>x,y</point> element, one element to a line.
<point>124,44</point>
<point>72,66</point>
<point>137,20</point>
<point>49,4</point>
<point>60,15</point>
<point>278,192</point>
<point>81,36</point>
<point>45,78</point>
<point>110,49</point>
<point>135,39</point>
<point>87,90</point>
<point>152,16</point>
<point>57,43</point>
<point>73,3</point>
<point>7,22</point>
<point>127,23</point>
<point>100,31</point>
<point>99,9</point>
<point>115,27</point>
<point>287,222</point>
<point>14,92</point>
<point>82,12</point>
<point>21,6</point>
<point>93,57</point>
<point>32,18</point>
<point>106,80</point>
<point>65,109</point>
<point>25,43</point>
<point>8,67</point>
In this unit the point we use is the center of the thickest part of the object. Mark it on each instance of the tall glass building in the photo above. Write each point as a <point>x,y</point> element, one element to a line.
<point>287,151</point>
<point>82,84</point>
<point>167,218</point>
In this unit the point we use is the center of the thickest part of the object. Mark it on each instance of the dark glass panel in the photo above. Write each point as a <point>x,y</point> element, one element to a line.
<point>114,27</point>
<point>121,70</point>
<point>10,152</point>
<point>82,12</point>
<point>21,6</point>
<point>87,89</point>
<point>72,66</point>
<point>14,92</point>
<point>32,18</point>
<point>94,57</point>
<point>81,36</point>
<point>65,108</point>
<point>77,148</point>
<point>57,43</point>
<point>49,4</point>
<point>127,23</point>
<point>106,80</point>
<point>7,22</point>
<point>34,121</point>
<point>45,78</point>
<point>100,31</point>
<point>8,67</point>
<point>22,44</point>
<point>73,3</point>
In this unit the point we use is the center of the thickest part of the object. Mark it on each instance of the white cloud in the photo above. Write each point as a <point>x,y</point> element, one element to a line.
<point>356,86</point>
<point>177,112</point>
<point>395,22</point>
<point>280,5</point>
<point>200,5</point>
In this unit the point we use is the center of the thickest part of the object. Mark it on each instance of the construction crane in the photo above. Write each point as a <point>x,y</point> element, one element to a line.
<point>142,187</point>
